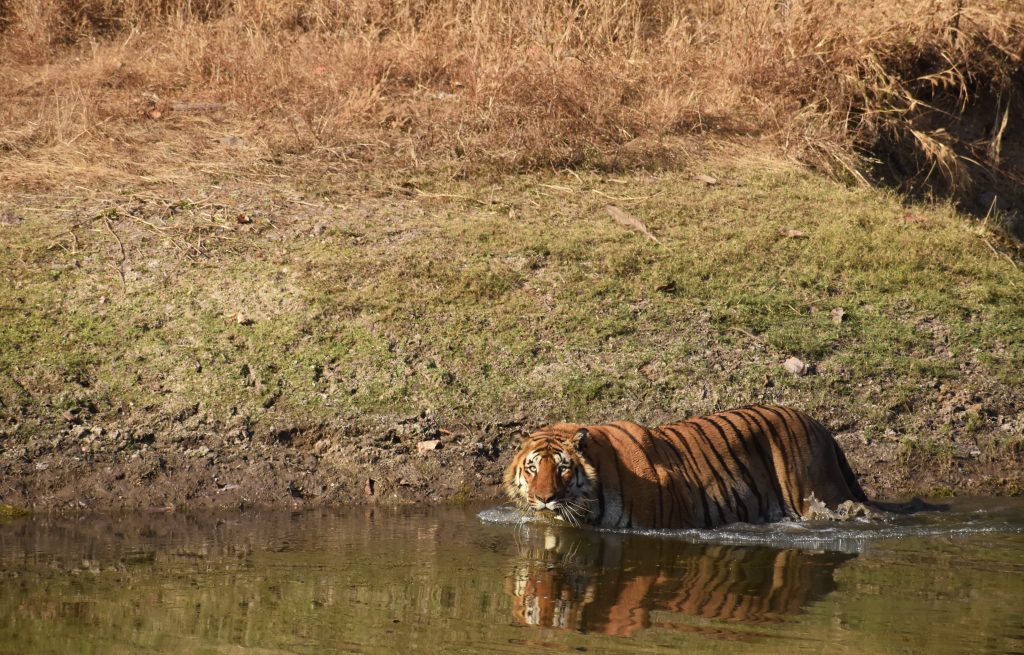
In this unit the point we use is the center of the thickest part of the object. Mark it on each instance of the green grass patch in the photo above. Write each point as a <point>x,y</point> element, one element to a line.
<point>518,297</point>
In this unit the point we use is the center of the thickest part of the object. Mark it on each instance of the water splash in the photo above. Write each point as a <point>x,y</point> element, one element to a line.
<point>964,517</point>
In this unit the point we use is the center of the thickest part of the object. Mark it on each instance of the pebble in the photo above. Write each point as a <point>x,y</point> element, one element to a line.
<point>428,445</point>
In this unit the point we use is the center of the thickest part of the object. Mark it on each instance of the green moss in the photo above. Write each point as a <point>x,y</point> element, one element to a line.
<point>13,512</point>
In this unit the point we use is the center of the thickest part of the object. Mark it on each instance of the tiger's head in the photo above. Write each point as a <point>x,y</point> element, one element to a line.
<point>551,473</point>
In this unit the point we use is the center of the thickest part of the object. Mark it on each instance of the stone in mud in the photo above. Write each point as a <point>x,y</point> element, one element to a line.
<point>428,445</point>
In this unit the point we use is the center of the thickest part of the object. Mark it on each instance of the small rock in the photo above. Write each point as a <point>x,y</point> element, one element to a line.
<point>706,179</point>
<point>232,141</point>
<point>796,366</point>
<point>428,445</point>
<point>42,466</point>
<point>241,318</point>
<point>201,451</point>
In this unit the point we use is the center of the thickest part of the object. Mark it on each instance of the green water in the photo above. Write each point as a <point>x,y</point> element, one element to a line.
<point>447,580</point>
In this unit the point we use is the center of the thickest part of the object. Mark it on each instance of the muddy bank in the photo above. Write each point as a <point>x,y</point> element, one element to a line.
<point>125,467</point>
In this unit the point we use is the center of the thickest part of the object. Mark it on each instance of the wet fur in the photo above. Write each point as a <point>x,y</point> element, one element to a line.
<point>753,464</point>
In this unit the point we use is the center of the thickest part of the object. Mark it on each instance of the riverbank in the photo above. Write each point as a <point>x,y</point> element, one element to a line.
<point>289,335</point>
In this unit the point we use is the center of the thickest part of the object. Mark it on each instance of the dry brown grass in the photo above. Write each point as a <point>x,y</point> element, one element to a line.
<point>465,85</point>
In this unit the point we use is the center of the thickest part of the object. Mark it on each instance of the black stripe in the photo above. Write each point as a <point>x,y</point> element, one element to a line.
<point>710,520</point>
<point>684,505</point>
<point>745,439</point>
<point>804,453</point>
<point>650,463</point>
<point>741,504</point>
<point>797,456</point>
<point>773,474</point>
<point>727,489</point>
<point>721,578</point>
<point>665,451</point>
<point>797,461</point>
<point>622,495</point>
<point>744,471</point>
<point>600,498</point>
<point>766,459</point>
<point>734,613</point>
<point>695,478</point>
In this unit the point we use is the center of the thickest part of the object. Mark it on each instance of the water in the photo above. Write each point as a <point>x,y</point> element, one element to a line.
<point>448,580</point>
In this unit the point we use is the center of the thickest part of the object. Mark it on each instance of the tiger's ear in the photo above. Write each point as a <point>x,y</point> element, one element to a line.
<point>580,439</point>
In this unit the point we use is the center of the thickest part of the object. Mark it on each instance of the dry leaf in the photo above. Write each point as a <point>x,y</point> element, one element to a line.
<point>794,234</point>
<point>795,366</point>
<point>243,219</point>
<point>837,315</point>
<point>706,179</point>
<point>626,219</point>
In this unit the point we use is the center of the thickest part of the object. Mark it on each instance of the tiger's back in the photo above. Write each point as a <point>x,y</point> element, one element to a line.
<point>753,464</point>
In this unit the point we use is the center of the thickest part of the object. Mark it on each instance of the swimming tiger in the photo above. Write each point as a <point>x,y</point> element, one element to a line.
<point>754,464</point>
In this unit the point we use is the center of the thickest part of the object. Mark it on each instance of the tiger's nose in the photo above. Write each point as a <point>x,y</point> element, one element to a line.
<point>546,498</point>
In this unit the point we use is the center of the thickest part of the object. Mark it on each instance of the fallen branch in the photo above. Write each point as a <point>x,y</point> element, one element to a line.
<point>198,106</point>
<point>120,264</point>
<point>628,220</point>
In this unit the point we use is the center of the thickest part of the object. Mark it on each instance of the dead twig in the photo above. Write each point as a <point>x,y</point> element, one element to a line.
<point>998,253</point>
<point>753,337</point>
<point>623,198</point>
<point>198,106</point>
<point>558,187</point>
<point>626,219</point>
<point>120,245</point>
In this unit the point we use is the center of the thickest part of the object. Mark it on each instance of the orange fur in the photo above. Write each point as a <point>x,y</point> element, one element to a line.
<point>753,464</point>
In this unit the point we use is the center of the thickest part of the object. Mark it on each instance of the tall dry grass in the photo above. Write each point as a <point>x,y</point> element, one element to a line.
<point>927,85</point>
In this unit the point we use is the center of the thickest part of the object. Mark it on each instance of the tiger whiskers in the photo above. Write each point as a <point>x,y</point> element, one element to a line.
<point>576,510</point>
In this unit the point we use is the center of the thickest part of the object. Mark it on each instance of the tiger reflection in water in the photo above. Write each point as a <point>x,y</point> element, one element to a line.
<point>613,583</point>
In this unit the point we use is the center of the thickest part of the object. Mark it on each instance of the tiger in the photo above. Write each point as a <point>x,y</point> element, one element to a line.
<point>617,583</point>
<point>752,464</point>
